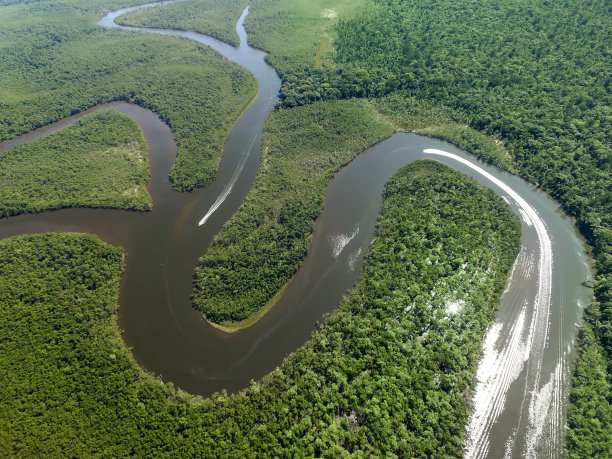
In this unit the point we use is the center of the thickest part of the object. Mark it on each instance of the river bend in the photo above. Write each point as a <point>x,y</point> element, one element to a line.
<point>523,378</point>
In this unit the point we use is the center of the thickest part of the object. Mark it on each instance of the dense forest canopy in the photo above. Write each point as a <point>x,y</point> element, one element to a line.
<point>100,161</point>
<point>522,84</point>
<point>387,373</point>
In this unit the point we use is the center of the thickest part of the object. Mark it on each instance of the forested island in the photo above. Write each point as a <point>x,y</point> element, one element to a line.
<point>521,85</point>
<point>263,245</point>
<point>101,161</point>
<point>387,373</point>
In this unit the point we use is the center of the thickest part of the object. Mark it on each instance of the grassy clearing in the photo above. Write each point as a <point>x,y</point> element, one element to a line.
<point>294,31</point>
<point>437,121</point>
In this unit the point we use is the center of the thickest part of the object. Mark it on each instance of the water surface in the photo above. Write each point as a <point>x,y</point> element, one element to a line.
<point>528,385</point>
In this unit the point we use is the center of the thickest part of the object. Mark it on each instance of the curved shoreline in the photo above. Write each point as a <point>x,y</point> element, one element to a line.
<point>57,125</point>
<point>272,321</point>
<point>493,384</point>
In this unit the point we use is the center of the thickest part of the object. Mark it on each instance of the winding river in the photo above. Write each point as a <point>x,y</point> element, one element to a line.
<point>523,377</point>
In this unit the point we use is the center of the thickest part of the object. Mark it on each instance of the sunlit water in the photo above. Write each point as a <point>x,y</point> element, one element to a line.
<point>521,395</point>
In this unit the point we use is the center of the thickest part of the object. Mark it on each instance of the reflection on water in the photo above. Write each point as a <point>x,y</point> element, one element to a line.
<point>170,338</point>
<point>339,241</point>
<point>352,260</point>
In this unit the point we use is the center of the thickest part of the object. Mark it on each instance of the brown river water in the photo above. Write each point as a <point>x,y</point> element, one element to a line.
<point>523,380</point>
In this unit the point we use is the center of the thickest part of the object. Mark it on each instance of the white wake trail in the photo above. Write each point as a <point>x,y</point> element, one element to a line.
<point>352,259</point>
<point>230,185</point>
<point>499,368</point>
<point>224,194</point>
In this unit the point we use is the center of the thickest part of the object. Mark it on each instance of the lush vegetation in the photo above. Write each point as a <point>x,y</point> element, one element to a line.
<point>533,76</point>
<point>64,366</point>
<point>100,161</point>
<point>525,84</point>
<point>522,84</point>
<point>435,121</point>
<point>217,19</point>
<point>263,244</point>
<point>56,61</point>
<point>590,415</point>
<point>298,34</point>
<point>386,374</point>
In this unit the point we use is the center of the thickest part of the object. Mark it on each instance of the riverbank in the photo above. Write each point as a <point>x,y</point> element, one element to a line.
<point>100,161</point>
<point>136,413</point>
<point>263,245</point>
<point>239,359</point>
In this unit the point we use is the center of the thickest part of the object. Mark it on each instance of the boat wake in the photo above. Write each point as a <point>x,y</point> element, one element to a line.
<point>521,351</point>
<point>353,257</point>
<point>230,184</point>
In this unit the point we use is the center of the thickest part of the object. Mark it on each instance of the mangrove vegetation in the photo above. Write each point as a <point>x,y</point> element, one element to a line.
<point>385,374</point>
<point>100,161</point>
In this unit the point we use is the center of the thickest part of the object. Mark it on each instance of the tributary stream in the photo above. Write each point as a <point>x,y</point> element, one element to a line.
<point>521,398</point>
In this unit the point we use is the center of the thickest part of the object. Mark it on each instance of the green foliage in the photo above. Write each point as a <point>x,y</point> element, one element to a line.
<point>531,75</point>
<point>55,61</point>
<point>548,102</point>
<point>439,121</point>
<point>58,338</point>
<point>100,161</point>
<point>293,31</point>
<point>214,18</point>
<point>590,415</point>
<point>385,375</point>
<point>298,34</point>
<point>263,244</point>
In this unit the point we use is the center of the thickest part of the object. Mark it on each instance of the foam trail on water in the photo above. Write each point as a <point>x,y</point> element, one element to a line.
<point>500,367</point>
<point>544,414</point>
<point>525,217</point>
<point>230,185</point>
<point>224,194</point>
<point>353,259</point>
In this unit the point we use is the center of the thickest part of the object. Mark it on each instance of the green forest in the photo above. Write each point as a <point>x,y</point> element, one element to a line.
<point>100,161</point>
<point>522,84</point>
<point>386,374</point>
<point>56,61</point>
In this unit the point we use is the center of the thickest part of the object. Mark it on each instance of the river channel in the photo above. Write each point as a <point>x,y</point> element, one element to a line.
<point>523,378</point>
